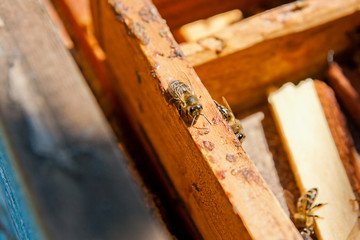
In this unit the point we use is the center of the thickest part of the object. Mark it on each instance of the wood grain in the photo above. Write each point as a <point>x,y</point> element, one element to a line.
<point>288,43</point>
<point>75,15</point>
<point>60,146</point>
<point>341,135</point>
<point>345,91</point>
<point>355,233</point>
<point>178,13</point>
<point>314,157</point>
<point>258,150</point>
<point>59,24</point>
<point>222,197</point>
<point>203,28</point>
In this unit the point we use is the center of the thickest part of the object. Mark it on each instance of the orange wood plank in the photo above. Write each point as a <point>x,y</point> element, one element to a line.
<point>288,43</point>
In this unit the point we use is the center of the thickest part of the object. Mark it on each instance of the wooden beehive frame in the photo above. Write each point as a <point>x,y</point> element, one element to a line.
<point>151,60</point>
<point>281,39</point>
<point>220,195</point>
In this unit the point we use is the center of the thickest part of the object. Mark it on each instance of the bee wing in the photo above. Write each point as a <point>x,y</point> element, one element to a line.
<point>191,89</point>
<point>177,89</point>
<point>227,104</point>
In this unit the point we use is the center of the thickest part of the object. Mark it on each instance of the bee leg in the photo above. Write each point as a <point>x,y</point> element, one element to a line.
<point>178,107</point>
<point>305,232</point>
<point>193,121</point>
<point>314,216</point>
<point>318,206</point>
<point>187,114</point>
<point>171,101</point>
<point>311,230</point>
<point>179,110</point>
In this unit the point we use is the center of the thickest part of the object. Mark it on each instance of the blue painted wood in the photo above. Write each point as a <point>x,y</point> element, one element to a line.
<point>16,216</point>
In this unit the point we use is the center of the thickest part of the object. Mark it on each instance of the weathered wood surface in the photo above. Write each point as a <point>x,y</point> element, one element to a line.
<point>345,91</point>
<point>258,150</point>
<point>281,160</point>
<point>341,135</point>
<point>58,143</point>
<point>314,157</point>
<point>150,175</point>
<point>355,233</point>
<point>203,28</point>
<point>17,221</point>
<point>75,16</point>
<point>288,43</point>
<point>220,187</point>
<point>58,23</point>
<point>178,13</point>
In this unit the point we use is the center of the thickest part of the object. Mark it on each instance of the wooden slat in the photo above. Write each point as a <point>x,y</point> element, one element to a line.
<point>151,175</point>
<point>17,219</point>
<point>355,233</point>
<point>178,13</point>
<point>258,150</point>
<point>75,15</point>
<point>342,137</point>
<point>314,157</point>
<point>220,195</point>
<point>60,146</point>
<point>59,24</point>
<point>203,28</point>
<point>76,18</point>
<point>288,43</point>
<point>345,91</point>
<point>281,160</point>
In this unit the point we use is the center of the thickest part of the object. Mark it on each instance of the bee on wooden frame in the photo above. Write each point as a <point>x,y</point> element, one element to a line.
<point>187,102</point>
<point>234,123</point>
<point>304,217</point>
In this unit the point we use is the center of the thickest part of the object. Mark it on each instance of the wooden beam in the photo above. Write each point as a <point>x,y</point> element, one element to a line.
<point>59,24</point>
<point>341,135</point>
<point>150,175</point>
<point>288,43</point>
<point>178,13</point>
<point>203,28</point>
<point>76,17</point>
<point>18,220</point>
<point>345,91</point>
<point>221,196</point>
<point>355,233</point>
<point>314,157</point>
<point>58,143</point>
<point>258,150</point>
<point>281,160</point>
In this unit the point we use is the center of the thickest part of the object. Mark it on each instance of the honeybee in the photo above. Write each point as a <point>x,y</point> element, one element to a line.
<point>187,101</point>
<point>304,217</point>
<point>234,123</point>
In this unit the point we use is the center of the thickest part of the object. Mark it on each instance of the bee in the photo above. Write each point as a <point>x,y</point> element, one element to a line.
<point>188,103</point>
<point>304,217</point>
<point>234,123</point>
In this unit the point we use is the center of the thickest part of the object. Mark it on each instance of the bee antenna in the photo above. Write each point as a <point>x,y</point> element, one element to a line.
<point>192,123</point>
<point>206,118</point>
